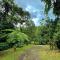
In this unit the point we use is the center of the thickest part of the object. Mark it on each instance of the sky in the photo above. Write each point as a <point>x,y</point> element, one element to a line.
<point>35,8</point>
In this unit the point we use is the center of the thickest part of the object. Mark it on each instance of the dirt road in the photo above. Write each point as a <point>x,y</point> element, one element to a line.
<point>31,54</point>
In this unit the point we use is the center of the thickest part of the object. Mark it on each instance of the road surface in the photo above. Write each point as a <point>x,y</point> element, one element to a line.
<point>31,54</point>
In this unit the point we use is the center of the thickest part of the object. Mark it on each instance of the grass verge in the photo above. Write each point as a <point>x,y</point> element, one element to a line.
<point>11,55</point>
<point>47,54</point>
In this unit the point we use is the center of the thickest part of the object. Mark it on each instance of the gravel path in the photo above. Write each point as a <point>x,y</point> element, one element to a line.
<point>31,54</point>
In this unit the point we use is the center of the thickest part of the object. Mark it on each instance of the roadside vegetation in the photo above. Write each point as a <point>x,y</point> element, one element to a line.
<point>10,54</point>
<point>47,54</point>
<point>18,30</point>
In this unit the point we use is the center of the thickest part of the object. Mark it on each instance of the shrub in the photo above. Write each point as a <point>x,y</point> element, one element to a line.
<point>17,38</point>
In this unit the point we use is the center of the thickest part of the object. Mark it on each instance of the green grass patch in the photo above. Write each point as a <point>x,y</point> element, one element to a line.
<point>11,55</point>
<point>47,54</point>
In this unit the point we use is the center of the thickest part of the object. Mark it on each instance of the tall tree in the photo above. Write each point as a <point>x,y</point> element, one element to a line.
<point>10,15</point>
<point>55,5</point>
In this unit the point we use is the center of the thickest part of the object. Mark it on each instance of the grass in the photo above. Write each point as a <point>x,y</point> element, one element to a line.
<point>47,54</point>
<point>11,55</point>
<point>44,53</point>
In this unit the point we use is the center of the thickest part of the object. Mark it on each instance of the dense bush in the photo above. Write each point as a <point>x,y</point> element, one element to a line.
<point>13,39</point>
<point>4,46</point>
<point>17,38</point>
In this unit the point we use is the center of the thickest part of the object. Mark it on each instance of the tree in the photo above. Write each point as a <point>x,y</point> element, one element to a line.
<point>55,5</point>
<point>10,15</point>
<point>17,38</point>
<point>29,29</point>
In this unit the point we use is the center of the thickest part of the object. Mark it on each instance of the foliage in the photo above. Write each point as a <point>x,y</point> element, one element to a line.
<point>29,29</point>
<point>17,37</point>
<point>54,27</point>
<point>10,16</point>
